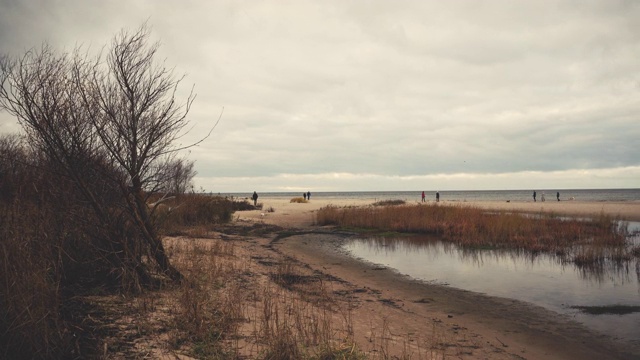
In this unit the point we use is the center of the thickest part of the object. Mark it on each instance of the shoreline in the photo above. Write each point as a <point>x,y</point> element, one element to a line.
<point>623,210</point>
<point>499,327</point>
<point>503,326</point>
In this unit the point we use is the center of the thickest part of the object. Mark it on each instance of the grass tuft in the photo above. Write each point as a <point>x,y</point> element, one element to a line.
<point>389,202</point>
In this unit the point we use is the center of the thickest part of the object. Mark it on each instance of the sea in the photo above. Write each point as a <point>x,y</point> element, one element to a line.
<point>603,195</point>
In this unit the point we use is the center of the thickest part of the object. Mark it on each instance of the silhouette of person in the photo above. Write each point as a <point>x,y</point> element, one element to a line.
<point>304,195</point>
<point>255,198</point>
<point>558,195</point>
<point>423,196</point>
<point>534,196</point>
<point>437,196</point>
<point>308,195</point>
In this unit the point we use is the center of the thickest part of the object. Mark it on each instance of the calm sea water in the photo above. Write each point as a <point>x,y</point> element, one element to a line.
<point>467,195</point>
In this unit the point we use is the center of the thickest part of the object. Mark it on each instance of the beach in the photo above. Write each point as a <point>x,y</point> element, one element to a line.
<point>301,214</point>
<point>410,311</point>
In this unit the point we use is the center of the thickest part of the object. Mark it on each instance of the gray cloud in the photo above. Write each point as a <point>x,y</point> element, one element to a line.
<point>390,92</point>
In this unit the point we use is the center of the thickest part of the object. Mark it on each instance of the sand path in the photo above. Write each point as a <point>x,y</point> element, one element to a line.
<point>475,325</point>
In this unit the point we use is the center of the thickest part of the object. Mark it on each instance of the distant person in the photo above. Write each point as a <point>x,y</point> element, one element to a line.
<point>308,195</point>
<point>542,197</point>
<point>255,198</point>
<point>304,195</point>
<point>437,196</point>
<point>558,195</point>
<point>423,196</point>
<point>534,196</point>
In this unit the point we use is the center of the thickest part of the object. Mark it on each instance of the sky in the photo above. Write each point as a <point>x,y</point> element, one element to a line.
<point>343,95</point>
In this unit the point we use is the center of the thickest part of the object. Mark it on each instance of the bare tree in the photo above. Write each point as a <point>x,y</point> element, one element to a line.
<point>119,117</point>
<point>138,119</point>
<point>177,176</point>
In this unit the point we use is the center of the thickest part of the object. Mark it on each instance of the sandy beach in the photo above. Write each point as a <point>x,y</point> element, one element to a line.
<point>476,325</point>
<point>300,214</point>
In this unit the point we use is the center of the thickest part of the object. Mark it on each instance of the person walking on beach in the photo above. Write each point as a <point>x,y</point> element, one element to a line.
<point>304,195</point>
<point>308,195</point>
<point>558,195</point>
<point>437,196</point>
<point>255,198</point>
<point>423,196</point>
<point>534,196</point>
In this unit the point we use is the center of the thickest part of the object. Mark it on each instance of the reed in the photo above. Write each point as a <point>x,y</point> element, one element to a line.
<point>389,202</point>
<point>186,212</point>
<point>580,241</point>
<point>206,311</point>
<point>224,311</point>
<point>299,318</point>
<point>298,200</point>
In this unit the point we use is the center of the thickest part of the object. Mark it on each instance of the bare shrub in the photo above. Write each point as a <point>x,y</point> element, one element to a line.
<point>176,176</point>
<point>110,121</point>
<point>73,200</point>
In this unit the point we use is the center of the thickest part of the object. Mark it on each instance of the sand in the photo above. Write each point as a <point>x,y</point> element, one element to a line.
<point>473,325</point>
<point>300,215</point>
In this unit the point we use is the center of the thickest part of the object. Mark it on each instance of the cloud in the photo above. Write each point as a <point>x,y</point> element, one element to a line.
<point>623,177</point>
<point>397,90</point>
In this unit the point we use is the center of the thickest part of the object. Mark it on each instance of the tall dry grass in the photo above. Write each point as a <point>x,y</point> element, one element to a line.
<point>32,324</point>
<point>225,312</point>
<point>189,212</point>
<point>53,253</point>
<point>299,318</point>
<point>579,240</point>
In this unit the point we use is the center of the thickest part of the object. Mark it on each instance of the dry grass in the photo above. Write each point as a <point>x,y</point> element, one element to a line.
<point>581,241</point>
<point>225,311</point>
<point>389,202</point>
<point>235,305</point>
<point>189,212</point>
<point>298,200</point>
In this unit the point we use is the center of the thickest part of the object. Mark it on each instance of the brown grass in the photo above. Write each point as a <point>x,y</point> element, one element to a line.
<point>52,260</point>
<point>580,241</point>
<point>196,211</point>
<point>389,202</point>
<point>226,312</point>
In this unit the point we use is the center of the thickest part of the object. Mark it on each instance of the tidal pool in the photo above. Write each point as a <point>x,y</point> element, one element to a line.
<point>541,279</point>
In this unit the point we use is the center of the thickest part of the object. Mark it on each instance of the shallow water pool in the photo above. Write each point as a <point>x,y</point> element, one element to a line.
<point>542,280</point>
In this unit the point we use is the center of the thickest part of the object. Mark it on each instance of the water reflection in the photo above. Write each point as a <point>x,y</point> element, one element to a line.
<point>542,279</point>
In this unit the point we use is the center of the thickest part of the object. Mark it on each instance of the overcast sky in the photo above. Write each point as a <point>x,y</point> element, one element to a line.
<point>383,95</point>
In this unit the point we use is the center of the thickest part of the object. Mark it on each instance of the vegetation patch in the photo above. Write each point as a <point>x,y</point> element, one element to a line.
<point>389,202</point>
<point>608,309</point>
<point>585,242</point>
